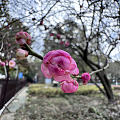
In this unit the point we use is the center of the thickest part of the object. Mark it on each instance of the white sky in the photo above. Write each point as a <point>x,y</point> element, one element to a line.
<point>53,18</point>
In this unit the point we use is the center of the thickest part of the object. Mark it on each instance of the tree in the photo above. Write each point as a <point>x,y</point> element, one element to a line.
<point>72,33</point>
<point>8,29</point>
<point>99,21</point>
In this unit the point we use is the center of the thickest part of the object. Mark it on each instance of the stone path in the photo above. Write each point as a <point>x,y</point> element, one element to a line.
<point>20,99</point>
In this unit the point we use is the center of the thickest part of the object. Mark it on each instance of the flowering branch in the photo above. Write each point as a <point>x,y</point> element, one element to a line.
<point>93,72</point>
<point>31,52</point>
<point>24,40</point>
<point>64,65</point>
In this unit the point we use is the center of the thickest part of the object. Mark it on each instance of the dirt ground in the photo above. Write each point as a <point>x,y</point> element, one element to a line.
<point>69,107</point>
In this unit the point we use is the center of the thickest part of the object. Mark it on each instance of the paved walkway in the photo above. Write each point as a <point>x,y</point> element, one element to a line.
<point>20,99</point>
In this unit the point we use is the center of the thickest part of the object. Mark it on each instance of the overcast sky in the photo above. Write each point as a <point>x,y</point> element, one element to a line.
<point>21,8</point>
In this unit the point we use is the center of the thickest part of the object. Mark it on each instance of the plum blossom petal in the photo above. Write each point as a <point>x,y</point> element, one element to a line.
<point>63,53</point>
<point>55,70</point>
<point>45,71</point>
<point>48,56</point>
<point>70,86</point>
<point>74,69</point>
<point>61,61</point>
<point>62,78</point>
<point>55,53</point>
<point>21,41</point>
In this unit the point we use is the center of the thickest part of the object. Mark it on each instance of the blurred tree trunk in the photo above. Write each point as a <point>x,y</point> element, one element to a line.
<point>104,80</point>
<point>106,84</point>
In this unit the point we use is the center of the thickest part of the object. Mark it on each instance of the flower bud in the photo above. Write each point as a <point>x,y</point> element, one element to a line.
<point>58,36</point>
<point>21,54</point>
<point>67,43</point>
<point>2,63</point>
<point>22,38</point>
<point>12,63</point>
<point>85,77</point>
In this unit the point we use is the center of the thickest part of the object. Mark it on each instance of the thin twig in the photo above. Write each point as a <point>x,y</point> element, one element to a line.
<point>1,46</point>
<point>93,72</point>
<point>2,41</point>
<point>99,70</point>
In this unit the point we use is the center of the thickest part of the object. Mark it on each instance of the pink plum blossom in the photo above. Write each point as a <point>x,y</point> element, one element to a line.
<point>2,63</point>
<point>9,44</point>
<point>51,34</point>
<point>67,43</point>
<point>58,36</point>
<point>59,65</point>
<point>62,42</point>
<point>69,86</point>
<point>22,38</point>
<point>12,63</point>
<point>85,77</point>
<point>21,54</point>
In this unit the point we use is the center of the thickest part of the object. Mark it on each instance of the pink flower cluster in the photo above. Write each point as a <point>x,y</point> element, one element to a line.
<point>57,35</point>
<point>60,65</point>
<point>22,38</point>
<point>66,43</point>
<point>11,63</point>
<point>85,77</point>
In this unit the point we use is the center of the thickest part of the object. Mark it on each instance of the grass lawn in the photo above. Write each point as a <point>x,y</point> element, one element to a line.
<point>48,103</point>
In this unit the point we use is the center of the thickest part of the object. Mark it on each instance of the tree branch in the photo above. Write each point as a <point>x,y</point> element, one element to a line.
<point>93,72</point>
<point>31,52</point>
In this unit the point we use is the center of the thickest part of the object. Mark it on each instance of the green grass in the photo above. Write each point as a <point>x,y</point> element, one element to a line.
<point>41,89</point>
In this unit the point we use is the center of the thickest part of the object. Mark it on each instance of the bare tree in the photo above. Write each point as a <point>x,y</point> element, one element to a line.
<point>99,21</point>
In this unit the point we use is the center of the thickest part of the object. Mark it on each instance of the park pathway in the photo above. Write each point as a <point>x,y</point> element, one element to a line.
<point>19,100</point>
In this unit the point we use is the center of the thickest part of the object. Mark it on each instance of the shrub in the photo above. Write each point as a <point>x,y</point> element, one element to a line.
<point>48,91</point>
